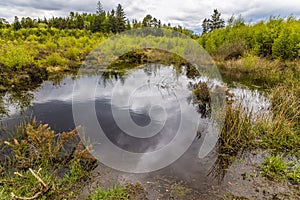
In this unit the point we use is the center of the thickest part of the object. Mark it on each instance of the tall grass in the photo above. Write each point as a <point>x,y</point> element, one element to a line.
<point>260,72</point>
<point>278,133</point>
<point>282,134</point>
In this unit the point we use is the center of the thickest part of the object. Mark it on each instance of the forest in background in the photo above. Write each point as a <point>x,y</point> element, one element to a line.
<point>62,43</point>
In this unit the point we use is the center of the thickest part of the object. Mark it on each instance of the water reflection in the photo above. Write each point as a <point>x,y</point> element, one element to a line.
<point>52,104</point>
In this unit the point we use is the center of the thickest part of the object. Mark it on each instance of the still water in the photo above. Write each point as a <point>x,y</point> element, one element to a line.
<point>157,99</point>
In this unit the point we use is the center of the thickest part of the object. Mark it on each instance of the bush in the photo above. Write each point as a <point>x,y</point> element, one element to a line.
<point>277,38</point>
<point>16,56</point>
<point>55,59</point>
<point>73,54</point>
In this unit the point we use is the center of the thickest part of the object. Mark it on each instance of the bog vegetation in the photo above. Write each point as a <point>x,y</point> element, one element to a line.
<point>263,55</point>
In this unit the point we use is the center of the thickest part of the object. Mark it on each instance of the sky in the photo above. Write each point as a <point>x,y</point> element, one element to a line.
<point>186,13</point>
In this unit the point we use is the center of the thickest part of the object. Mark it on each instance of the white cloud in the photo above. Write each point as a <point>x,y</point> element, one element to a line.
<point>187,13</point>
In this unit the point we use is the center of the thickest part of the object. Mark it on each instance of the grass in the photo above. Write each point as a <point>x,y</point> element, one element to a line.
<point>127,192</point>
<point>236,136</point>
<point>276,168</point>
<point>259,72</point>
<point>278,133</point>
<point>116,193</point>
<point>43,164</point>
<point>179,190</point>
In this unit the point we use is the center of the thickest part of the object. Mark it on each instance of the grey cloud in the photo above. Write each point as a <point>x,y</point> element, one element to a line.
<point>188,13</point>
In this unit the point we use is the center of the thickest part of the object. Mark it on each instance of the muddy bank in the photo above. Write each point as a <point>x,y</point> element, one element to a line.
<point>243,180</point>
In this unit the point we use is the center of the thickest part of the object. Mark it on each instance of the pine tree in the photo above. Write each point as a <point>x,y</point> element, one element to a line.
<point>216,21</point>
<point>96,24</point>
<point>120,19</point>
<point>205,24</point>
<point>99,9</point>
<point>112,23</point>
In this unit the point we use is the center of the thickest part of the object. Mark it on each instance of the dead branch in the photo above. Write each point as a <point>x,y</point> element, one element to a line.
<point>26,198</point>
<point>38,178</point>
<point>38,194</point>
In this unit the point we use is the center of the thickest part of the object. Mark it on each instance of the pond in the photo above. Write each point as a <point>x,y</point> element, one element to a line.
<point>156,97</point>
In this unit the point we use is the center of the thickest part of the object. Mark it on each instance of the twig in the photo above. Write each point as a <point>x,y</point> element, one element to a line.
<point>44,190</point>
<point>26,198</point>
<point>38,172</point>
<point>38,178</point>
<point>17,173</point>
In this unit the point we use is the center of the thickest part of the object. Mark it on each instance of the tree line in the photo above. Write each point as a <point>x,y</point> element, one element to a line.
<point>113,21</point>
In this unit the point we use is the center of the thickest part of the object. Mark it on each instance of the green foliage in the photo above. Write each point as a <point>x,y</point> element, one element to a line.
<point>287,44</point>
<point>215,22</point>
<point>274,167</point>
<point>55,59</point>
<point>275,38</point>
<point>43,167</point>
<point>73,54</point>
<point>294,172</point>
<point>111,194</point>
<point>77,172</point>
<point>16,56</point>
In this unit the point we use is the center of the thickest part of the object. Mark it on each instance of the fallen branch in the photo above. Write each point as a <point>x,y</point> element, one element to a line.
<point>38,194</point>
<point>13,196</point>
<point>38,178</point>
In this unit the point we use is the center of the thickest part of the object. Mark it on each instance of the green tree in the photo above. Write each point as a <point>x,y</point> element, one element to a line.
<point>99,9</point>
<point>96,24</point>
<point>147,21</point>
<point>205,25</point>
<point>16,24</point>
<point>3,23</point>
<point>120,19</point>
<point>80,22</point>
<point>215,22</point>
<point>112,22</point>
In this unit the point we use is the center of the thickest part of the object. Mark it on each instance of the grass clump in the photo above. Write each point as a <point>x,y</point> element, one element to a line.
<point>43,164</point>
<point>276,132</point>
<point>111,194</point>
<point>282,132</point>
<point>275,168</point>
<point>127,192</point>
<point>178,190</point>
<point>236,136</point>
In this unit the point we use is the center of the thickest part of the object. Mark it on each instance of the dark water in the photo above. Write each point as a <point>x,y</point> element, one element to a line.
<point>156,97</point>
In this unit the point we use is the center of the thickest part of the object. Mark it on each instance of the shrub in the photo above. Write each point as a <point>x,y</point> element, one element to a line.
<point>73,54</point>
<point>55,59</point>
<point>16,56</point>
